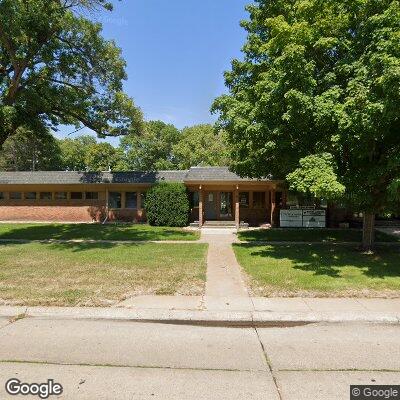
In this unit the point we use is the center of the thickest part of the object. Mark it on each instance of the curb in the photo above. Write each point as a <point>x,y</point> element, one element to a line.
<point>200,317</point>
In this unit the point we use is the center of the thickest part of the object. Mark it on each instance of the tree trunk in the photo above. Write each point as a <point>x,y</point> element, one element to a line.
<point>368,231</point>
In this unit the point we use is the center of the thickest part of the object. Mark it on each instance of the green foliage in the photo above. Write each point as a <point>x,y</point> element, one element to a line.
<point>28,151</point>
<point>84,153</point>
<point>167,204</point>
<point>200,145</point>
<point>316,176</point>
<point>152,150</point>
<point>56,68</point>
<point>162,146</point>
<point>73,152</point>
<point>319,77</point>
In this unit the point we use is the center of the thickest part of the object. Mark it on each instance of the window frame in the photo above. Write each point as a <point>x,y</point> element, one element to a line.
<point>90,196</point>
<point>42,198</point>
<point>76,199</point>
<point>30,199</point>
<point>59,198</point>
<point>10,197</point>
<point>110,195</point>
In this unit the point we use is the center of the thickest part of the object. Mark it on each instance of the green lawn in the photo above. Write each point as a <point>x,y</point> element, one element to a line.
<point>93,232</point>
<point>97,274</point>
<point>310,235</point>
<point>320,270</point>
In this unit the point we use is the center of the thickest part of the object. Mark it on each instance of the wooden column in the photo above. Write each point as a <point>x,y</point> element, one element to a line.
<point>273,205</point>
<point>237,208</point>
<point>201,199</point>
<point>139,213</point>
<point>107,206</point>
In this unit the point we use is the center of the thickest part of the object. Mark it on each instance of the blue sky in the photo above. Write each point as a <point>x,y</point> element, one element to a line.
<point>176,52</point>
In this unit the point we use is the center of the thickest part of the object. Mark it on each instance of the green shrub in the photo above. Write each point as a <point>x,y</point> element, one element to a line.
<point>167,204</point>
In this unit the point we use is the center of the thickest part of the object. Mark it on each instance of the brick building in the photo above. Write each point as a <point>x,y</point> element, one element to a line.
<point>215,194</point>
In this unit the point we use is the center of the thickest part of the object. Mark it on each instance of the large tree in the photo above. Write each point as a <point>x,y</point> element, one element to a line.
<point>201,145</point>
<point>320,78</point>
<point>74,150</point>
<point>28,151</point>
<point>55,68</point>
<point>152,150</point>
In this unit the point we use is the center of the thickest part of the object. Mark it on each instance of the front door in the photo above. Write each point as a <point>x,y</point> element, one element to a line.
<point>211,206</point>
<point>226,205</point>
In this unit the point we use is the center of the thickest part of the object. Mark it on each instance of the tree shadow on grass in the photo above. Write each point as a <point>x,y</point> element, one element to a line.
<point>330,260</point>
<point>120,232</point>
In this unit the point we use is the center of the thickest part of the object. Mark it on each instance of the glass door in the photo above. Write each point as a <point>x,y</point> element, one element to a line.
<point>225,210</point>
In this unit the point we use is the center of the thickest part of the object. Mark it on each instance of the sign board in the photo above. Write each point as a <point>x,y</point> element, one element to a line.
<point>303,218</point>
<point>291,218</point>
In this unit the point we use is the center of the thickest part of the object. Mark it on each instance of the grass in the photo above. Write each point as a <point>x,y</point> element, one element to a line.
<point>98,274</point>
<point>320,270</point>
<point>310,235</point>
<point>94,232</point>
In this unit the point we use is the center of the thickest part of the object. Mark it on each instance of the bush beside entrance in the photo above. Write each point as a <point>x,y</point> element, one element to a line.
<point>167,204</point>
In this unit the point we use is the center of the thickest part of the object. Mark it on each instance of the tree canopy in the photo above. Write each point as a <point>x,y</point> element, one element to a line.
<point>56,68</point>
<point>152,150</point>
<point>28,151</point>
<point>319,77</point>
<point>200,145</point>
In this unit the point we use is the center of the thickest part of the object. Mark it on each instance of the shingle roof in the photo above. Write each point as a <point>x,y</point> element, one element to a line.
<point>195,174</point>
<point>71,178</point>
<point>215,174</point>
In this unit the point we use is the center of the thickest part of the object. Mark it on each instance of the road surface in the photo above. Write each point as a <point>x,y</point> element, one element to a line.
<point>103,359</point>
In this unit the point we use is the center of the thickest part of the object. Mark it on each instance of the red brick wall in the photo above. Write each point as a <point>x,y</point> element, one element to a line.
<point>49,213</point>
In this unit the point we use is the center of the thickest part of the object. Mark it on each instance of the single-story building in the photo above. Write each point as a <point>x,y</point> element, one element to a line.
<point>216,194</point>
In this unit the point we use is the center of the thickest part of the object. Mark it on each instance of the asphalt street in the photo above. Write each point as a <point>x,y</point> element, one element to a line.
<point>103,359</point>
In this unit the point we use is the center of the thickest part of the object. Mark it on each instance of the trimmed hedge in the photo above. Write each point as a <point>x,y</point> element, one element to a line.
<point>167,204</point>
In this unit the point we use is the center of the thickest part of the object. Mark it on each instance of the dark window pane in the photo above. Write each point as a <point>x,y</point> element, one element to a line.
<point>30,195</point>
<point>131,200</point>
<point>15,195</point>
<point>45,195</point>
<point>2,196</point>
<point>259,199</point>
<point>92,195</point>
<point>244,199</point>
<point>76,195</point>
<point>61,195</point>
<point>114,200</point>
<point>194,199</point>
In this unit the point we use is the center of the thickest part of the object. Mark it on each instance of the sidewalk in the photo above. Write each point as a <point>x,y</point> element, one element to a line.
<point>193,310</point>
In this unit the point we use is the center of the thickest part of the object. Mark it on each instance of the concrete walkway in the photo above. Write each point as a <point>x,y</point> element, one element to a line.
<point>225,286</point>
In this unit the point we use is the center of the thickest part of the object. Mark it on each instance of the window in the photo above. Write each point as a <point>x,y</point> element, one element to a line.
<point>2,196</point>
<point>76,195</point>
<point>15,195</point>
<point>92,195</point>
<point>114,200</point>
<point>45,196</point>
<point>244,199</point>
<point>131,200</point>
<point>194,199</point>
<point>30,196</point>
<point>61,195</point>
<point>259,199</point>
